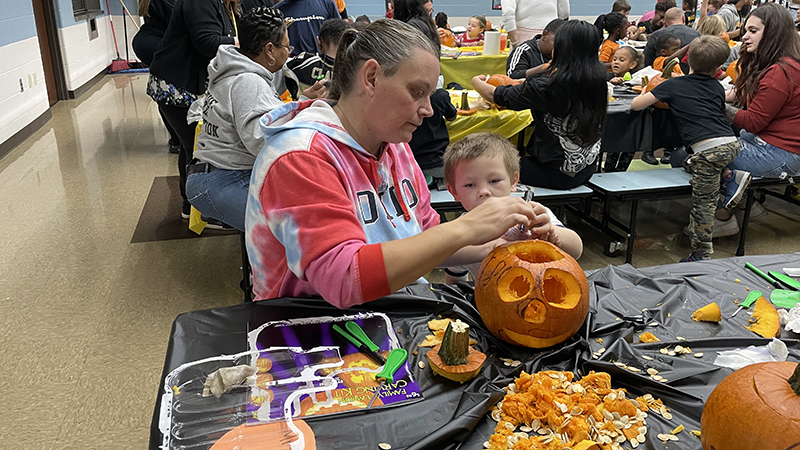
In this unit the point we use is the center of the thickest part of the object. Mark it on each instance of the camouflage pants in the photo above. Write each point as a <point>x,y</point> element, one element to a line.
<point>706,169</point>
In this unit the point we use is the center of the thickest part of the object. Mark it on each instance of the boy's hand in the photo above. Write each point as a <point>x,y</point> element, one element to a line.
<point>480,43</point>
<point>316,91</point>
<point>540,226</point>
<point>616,80</point>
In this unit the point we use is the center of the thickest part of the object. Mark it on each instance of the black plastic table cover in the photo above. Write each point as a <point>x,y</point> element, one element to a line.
<point>454,415</point>
<point>636,131</point>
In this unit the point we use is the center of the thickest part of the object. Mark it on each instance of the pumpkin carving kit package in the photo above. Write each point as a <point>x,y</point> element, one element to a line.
<point>294,369</point>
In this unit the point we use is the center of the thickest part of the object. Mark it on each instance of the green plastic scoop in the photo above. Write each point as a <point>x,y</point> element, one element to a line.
<point>783,298</point>
<point>751,298</point>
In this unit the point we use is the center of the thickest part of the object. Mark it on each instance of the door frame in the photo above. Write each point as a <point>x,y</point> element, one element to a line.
<point>55,49</point>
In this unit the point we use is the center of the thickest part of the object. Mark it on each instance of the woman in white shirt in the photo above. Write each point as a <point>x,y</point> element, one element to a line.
<point>524,19</point>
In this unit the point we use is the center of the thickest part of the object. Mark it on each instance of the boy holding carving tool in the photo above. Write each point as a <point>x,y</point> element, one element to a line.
<point>484,165</point>
<point>698,104</point>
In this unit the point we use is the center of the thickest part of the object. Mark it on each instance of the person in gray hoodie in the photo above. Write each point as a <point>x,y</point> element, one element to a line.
<point>241,89</point>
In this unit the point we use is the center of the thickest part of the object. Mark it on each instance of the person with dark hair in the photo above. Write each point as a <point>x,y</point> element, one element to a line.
<point>357,223</point>
<point>568,102</point>
<point>363,19</point>
<point>156,14</point>
<point>690,11</point>
<point>668,44</point>
<point>626,61</point>
<point>312,67</point>
<point>731,13</point>
<point>647,27</point>
<point>767,88</point>
<point>614,24</point>
<point>441,21</point>
<point>698,104</point>
<point>446,37</point>
<point>307,17</point>
<point>178,73</point>
<point>532,56</point>
<point>240,91</point>
<point>413,12</point>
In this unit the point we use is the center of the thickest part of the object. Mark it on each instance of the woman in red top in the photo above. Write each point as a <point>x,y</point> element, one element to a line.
<point>768,89</point>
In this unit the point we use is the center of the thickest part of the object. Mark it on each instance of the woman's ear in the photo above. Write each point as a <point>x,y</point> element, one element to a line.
<point>369,74</point>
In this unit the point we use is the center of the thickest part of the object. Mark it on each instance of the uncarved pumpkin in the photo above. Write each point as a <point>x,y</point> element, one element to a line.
<point>531,293</point>
<point>665,75</point>
<point>756,407</point>
<point>732,71</point>
<point>504,80</point>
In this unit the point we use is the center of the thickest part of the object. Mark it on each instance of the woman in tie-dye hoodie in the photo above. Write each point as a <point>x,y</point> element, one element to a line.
<point>338,207</point>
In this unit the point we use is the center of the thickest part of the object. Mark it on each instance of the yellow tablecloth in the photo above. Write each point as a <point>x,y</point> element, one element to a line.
<point>505,122</point>
<point>462,69</point>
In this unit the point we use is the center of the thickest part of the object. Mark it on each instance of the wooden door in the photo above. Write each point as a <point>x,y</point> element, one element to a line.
<point>47,55</point>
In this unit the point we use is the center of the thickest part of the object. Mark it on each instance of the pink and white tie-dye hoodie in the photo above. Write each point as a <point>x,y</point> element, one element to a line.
<point>320,206</point>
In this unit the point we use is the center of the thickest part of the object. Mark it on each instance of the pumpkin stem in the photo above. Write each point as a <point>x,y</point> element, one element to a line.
<point>455,344</point>
<point>668,68</point>
<point>794,380</point>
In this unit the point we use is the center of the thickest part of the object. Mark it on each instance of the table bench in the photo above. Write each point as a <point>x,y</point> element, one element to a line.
<point>443,201</point>
<point>650,185</point>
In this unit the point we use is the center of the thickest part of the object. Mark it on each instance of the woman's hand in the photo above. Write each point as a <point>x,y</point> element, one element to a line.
<point>494,217</point>
<point>730,95</point>
<point>485,89</point>
<point>512,36</point>
<point>541,226</point>
<point>316,91</point>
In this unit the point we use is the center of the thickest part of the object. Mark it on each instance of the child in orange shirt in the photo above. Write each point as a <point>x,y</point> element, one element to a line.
<point>666,46</point>
<point>614,24</point>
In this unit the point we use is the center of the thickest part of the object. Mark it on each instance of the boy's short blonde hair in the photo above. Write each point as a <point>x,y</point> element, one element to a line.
<point>476,145</point>
<point>707,54</point>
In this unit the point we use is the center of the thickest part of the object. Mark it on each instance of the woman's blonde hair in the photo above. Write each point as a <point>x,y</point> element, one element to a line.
<point>389,42</point>
<point>712,26</point>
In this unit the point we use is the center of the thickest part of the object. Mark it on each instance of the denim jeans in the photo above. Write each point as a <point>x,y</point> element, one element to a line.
<point>765,160</point>
<point>221,195</point>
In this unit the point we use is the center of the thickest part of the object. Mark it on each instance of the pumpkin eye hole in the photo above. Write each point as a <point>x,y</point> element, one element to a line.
<point>515,285</point>
<point>534,312</point>
<point>561,289</point>
<point>535,252</point>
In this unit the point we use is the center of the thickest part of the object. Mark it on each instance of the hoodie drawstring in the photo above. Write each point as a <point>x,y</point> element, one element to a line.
<point>399,189</point>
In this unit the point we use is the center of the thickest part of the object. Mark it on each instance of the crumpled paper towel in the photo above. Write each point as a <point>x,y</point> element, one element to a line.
<point>736,359</point>
<point>790,319</point>
<point>225,379</point>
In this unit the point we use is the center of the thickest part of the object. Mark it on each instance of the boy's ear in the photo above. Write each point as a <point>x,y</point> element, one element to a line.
<point>452,191</point>
<point>514,181</point>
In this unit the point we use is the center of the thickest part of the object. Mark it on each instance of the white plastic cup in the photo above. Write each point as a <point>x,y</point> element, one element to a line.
<point>491,43</point>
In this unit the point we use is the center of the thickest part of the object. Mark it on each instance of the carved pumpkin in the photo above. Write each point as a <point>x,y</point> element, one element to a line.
<point>665,75</point>
<point>359,378</point>
<point>504,80</point>
<point>756,407</point>
<point>532,293</point>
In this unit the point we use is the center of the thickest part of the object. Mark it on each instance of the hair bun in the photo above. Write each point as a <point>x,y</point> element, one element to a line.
<point>267,13</point>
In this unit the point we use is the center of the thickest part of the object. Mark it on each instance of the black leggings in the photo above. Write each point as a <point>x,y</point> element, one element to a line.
<point>534,174</point>
<point>173,138</point>
<point>176,118</point>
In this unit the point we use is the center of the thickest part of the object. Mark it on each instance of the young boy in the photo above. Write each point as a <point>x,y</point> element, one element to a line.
<point>312,67</point>
<point>532,56</point>
<point>484,165</point>
<point>622,7</point>
<point>698,104</point>
<point>666,46</point>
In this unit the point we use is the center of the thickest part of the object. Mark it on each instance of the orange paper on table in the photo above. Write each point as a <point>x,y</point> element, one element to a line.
<point>276,435</point>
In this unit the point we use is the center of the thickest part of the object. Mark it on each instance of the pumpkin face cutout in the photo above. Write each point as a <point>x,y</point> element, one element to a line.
<point>532,294</point>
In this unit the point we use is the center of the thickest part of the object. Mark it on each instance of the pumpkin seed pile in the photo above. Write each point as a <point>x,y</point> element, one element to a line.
<point>548,411</point>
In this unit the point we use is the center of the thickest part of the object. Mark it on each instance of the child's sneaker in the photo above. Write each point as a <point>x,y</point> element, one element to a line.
<point>724,228</point>
<point>735,184</point>
<point>693,258</point>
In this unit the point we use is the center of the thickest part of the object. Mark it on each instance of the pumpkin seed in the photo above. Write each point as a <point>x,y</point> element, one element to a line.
<point>671,353</point>
<point>634,369</point>
<point>611,397</point>
<point>521,435</point>
<point>616,415</point>
<point>384,446</point>
<point>509,426</point>
<point>515,363</point>
<point>496,415</point>
<point>544,431</point>
<point>536,424</point>
<point>663,380</point>
<point>647,357</point>
<point>641,438</point>
<point>654,324</point>
<point>657,377</point>
<point>576,411</point>
<point>619,364</point>
<point>652,371</point>
<point>602,350</point>
<point>665,437</point>
<point>680,338</point>
<point>664,350</point>
<point>678,349</point>
<point>422,364</point>
<point>608,416</point>
<point>525,429</point>
<point>698,355</point>
<point>487,444</point>
<point>634,443</point>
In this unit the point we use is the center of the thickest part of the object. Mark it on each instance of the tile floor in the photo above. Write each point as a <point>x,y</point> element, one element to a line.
<point>86,315</point>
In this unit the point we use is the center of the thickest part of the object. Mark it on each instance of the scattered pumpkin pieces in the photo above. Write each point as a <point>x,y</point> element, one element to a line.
<point>553,412</point>
<point>438,327</point>
<point>765,319</point>
<point>648,337</point>
<point>708,313</point>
